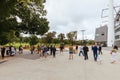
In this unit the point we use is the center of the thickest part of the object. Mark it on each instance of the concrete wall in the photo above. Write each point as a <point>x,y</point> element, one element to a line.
<point>101,34</point>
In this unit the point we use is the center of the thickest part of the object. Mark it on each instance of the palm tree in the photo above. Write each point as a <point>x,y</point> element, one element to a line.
<point>72,36</point>
<point>61,37</point>
<point>49,36</point>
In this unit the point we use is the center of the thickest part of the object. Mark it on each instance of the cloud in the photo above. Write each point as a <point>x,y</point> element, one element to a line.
<point>70,15</point>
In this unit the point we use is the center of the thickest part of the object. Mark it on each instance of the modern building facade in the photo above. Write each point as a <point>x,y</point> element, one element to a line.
<point>111,35</point>
<point>117,29</point>
<point>101,35</point>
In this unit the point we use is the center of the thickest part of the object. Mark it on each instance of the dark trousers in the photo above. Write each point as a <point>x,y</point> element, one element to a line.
<point>81,52</point>
<point>31,51</point>
<point>3,55</point>
<point>85,55</point>
<point>100,52</point>
<point>95,56</point>
<point>54,53</point>
<point>51,52</point>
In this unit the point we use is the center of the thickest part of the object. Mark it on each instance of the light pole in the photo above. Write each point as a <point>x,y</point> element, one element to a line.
<point>83,36</point>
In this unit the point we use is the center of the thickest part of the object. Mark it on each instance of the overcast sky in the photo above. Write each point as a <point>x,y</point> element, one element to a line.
<point>75,15</point>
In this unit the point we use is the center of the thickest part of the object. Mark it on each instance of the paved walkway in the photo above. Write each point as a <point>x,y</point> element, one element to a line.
<point>22,67</point>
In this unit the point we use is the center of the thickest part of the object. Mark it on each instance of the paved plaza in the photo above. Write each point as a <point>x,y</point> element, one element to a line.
<point>32,67</point>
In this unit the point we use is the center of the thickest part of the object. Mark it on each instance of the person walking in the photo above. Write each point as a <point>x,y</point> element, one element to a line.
<point>61,47</point>
<point>100,50</point>
<point>113,54</point>
<point>20,49</point>
<point>45,51</point>
<point>32,49</point>
<point>71,51</point>
<point>76,49</point>
<point>95,54</point>
<point>85,50</point>
<point>51,49</point>
<point>54,51</point>
<point>81,51</point>
<point>3,52</point>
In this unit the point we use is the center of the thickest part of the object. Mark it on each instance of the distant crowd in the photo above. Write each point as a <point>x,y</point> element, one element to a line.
<point>44,51</point>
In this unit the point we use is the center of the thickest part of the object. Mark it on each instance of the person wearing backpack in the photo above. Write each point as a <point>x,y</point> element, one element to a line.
<point>85,50</point>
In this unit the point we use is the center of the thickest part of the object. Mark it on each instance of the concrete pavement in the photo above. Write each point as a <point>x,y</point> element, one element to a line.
<point>60,68</point>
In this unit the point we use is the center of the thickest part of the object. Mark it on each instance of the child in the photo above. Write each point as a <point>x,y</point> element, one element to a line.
<point>113,54</point>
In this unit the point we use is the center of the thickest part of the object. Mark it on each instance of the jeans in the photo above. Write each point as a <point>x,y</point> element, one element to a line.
<point>95,56</point>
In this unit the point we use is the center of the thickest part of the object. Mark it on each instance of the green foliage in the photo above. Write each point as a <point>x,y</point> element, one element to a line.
<point>26,39</point>
<point>61,37</point>
<point>91,42</point>
<point>48,37</point>
<point>56,41</point>
<point>3,39</point>
<point>72,36</point>
<point>7,37</point>
<point>30,12</point>
<point>33,40</point>
<point>66,41</point>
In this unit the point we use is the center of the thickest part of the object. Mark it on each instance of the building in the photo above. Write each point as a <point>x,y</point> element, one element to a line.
<point>112,34</point>
<point>117,29</point>
<point>101,35</point>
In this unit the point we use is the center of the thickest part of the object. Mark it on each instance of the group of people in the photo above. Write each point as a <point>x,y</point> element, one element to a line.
<point>9,51</point>
<point>83,50</point>
<point>96,49</point>
<point>44,50</point>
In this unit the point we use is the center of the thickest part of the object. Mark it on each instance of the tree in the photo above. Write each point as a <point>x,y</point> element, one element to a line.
<point>7,37</point>
<point>56,40</point>
<point>71,36</point>
<point>48,37</point>
<point>91,42</point>
<point>26,39</point>
<point>61,37</point>
<point>66,41</point>
<point>33,40</point>
<point>30,12</point>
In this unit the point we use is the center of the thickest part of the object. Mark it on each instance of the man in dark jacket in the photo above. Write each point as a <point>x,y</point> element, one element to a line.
<point>95,54</point>
<point>3,52</point>
<point>54,51</point>
<point>85,50</point>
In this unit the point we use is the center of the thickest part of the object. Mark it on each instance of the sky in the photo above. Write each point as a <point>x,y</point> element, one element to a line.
<point>76,15</point>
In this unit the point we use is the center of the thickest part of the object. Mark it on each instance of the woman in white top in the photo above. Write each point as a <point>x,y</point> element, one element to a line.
<point>113,54</point>
<point>13,50</point>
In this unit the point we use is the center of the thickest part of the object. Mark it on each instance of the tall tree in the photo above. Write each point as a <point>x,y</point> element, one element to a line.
<point>33,40</point>
<point>30,12</point>
<point>61,37</point>
<point>71,36</point>
<point>48,37</point>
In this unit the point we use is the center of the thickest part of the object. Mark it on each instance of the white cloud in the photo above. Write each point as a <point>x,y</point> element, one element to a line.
<point>70,15</point>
